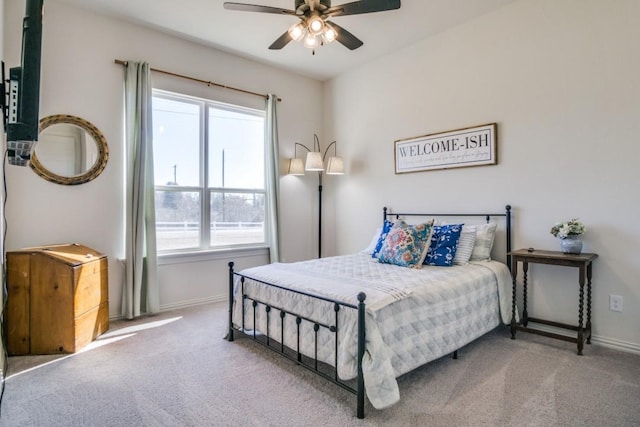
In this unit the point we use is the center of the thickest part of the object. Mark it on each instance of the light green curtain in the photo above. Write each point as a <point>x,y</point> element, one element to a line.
<point>273,176</point>
<point>140,294</point>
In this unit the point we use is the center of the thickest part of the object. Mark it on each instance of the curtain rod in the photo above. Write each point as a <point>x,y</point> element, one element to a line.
<point>208,83</point>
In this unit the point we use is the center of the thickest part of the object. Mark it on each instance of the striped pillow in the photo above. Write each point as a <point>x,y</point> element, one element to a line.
<point>485,234</point>
<point>465,246</point>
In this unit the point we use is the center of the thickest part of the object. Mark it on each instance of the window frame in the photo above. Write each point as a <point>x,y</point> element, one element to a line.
<point>205,191</point>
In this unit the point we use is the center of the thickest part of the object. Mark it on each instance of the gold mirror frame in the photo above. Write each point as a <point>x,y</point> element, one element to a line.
<point>98,137</point>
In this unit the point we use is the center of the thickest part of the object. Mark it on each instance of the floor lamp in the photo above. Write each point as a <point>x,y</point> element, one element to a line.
<point>315,163</point>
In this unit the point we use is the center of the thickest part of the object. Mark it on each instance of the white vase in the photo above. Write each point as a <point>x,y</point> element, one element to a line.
<point>571,244</point>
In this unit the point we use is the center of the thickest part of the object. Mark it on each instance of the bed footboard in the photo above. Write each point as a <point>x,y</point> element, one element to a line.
<point>296,354</point>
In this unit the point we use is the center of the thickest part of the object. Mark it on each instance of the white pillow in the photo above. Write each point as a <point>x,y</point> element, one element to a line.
<point>374,241</point>
<point>465,246</point>
<point>485,233</point>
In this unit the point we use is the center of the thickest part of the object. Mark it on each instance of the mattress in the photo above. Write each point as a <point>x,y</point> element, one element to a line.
<point>413,316</point>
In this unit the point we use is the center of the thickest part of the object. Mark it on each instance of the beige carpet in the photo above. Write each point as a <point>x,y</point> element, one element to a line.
<point>175,369</point>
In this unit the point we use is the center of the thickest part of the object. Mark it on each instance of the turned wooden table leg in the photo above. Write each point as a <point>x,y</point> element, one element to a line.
<point>580,313</point>
<point>588,326</point>
<point>525,314</point>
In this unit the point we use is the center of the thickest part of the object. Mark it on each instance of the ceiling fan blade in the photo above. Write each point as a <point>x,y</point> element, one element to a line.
<point>243,7</point>
<point>345,37</point>
<point>363,6</point>
<point>281,41</point>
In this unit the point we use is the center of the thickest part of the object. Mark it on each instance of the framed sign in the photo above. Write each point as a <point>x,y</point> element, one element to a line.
<point>474,146</point>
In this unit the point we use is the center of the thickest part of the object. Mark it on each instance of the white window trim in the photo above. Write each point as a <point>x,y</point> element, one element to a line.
<point>174,256</point>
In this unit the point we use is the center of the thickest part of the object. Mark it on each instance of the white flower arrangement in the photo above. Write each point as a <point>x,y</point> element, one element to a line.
<point>573,227</point>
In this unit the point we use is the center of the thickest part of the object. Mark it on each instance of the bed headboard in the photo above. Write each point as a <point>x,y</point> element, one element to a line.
<point>487,217</point>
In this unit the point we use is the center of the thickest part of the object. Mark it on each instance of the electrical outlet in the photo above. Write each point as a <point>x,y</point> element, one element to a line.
<point>615,303</point>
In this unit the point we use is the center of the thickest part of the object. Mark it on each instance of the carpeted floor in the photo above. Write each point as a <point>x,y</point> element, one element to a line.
<point>175,369</point>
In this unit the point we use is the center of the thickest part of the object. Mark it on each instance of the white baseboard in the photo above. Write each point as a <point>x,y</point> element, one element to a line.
<point>628,347</point>
<point>613,343</point>
<point>181,304</point>
<point>192,303</point>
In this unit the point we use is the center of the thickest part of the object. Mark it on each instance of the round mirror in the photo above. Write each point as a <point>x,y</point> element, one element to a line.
<point>69,151</point>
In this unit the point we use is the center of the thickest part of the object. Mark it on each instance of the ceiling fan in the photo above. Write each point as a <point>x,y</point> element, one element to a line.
<point>314,28</point>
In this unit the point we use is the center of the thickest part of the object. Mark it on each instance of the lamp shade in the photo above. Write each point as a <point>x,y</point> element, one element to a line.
<point>335,166</point>
<point>329,34</point>
<point>297,32</point>
<point>315,25</point>
<point>314,162</point>
<point>311,41</point>
<point>296,167</point>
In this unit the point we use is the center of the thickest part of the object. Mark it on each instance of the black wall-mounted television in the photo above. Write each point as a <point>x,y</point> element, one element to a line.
<point>22,108</point>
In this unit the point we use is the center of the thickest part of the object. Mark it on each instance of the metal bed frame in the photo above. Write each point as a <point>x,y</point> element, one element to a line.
<point>312,363</point>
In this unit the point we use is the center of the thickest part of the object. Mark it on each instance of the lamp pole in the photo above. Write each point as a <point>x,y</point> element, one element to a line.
<point>319,214</point>
<point>315,162</point>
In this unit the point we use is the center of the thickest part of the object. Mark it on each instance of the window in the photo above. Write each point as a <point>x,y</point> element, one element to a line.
<point>209,166</point>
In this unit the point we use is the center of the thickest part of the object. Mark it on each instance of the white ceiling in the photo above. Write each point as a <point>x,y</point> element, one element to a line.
<point>249,34</point>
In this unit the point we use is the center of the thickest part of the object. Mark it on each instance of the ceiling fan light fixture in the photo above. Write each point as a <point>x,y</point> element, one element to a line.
<point>329,34</point>
<point>311,41</point>
<point>315,25</point>
<point>297,31</point>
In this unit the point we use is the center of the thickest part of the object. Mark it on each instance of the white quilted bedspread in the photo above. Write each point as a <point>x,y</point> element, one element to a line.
<point>413,316</point>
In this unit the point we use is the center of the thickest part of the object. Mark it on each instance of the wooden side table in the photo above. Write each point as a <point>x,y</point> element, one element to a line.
<point>584,263</point>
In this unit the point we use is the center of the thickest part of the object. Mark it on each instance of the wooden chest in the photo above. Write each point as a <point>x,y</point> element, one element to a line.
<point>57,299</point>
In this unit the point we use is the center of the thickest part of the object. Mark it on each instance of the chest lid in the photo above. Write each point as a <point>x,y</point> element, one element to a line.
<point>73,254</point>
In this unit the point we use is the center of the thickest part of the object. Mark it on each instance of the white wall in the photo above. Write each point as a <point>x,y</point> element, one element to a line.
<point>79,77</point>
<point>560,78</point>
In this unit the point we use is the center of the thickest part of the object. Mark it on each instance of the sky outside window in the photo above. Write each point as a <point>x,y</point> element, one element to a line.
<point>236,146</point>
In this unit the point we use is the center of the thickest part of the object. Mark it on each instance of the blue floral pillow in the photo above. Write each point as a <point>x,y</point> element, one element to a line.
<point>444,243</point>
<point>406,245</point>
<point>386,227</point>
